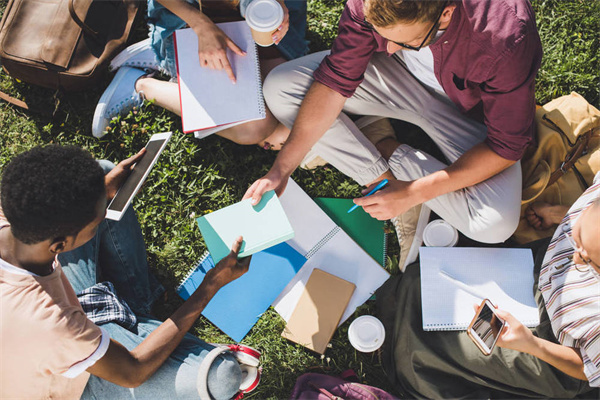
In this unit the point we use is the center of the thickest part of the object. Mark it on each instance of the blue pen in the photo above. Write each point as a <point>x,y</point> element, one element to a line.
<point>376,188</point>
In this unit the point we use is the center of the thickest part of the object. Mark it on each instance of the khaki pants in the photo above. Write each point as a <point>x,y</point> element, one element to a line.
<point>487,212</point>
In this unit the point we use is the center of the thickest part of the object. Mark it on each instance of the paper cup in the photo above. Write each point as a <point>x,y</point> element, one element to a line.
<point>366,333</point>
<point>264,17</point>
<point>439,233</point>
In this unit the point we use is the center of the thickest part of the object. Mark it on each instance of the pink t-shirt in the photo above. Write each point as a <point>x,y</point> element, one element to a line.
<point>46,340</point>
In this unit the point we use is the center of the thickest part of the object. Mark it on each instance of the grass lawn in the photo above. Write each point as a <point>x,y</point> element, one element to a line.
<point>194,177</point>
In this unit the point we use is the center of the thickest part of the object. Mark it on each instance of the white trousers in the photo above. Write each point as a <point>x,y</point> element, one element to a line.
<point>487,212</point>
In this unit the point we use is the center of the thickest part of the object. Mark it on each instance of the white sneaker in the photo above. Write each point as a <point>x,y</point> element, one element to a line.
<point>138,55</point>
<point>409,230</point>
<point>119,98</point>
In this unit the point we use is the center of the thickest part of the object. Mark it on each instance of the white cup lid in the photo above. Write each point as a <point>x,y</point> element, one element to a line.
<point>439,233</point>
<point>366,333</point>
<point>264,15</point>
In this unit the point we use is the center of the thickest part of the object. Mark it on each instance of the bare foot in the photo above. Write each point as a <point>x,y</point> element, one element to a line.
<point>543,215</point>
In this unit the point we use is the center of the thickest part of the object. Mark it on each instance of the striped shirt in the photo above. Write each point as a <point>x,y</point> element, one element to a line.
<point>572,297</point>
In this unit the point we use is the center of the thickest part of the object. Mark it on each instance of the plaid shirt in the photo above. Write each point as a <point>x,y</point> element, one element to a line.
<point>102,305</point>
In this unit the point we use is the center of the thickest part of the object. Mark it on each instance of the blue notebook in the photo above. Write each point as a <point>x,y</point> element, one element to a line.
<point>261,226</point>
<point>237,306</point>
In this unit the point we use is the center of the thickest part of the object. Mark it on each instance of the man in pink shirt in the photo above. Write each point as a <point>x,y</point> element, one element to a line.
<point>54,242</point>
<point>461,70</point>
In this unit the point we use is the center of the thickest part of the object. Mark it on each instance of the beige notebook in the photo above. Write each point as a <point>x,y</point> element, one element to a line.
<point>319,310</point>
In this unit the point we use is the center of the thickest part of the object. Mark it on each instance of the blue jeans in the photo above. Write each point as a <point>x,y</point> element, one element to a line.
<point>117,254</point>
<point>163,23</point>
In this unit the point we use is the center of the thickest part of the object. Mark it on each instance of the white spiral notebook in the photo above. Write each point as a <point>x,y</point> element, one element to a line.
<point>209,100</point>
<point>455,278</point>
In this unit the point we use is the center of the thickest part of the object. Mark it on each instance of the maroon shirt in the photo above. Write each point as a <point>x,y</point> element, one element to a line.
<point>486,61</point>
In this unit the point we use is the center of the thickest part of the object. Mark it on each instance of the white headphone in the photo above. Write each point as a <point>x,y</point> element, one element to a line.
<point>247,357</point>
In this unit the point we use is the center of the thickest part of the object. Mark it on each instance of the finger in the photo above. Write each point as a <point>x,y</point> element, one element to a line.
<point>237,245</point>
<point>133,159</point>
<point>367,201</point>
<point>228,69</point>
<point>369,188</point>
<point>211,63</point>
<point>250,191</point>
<point>245,262</point>
<point>234,47</point>
<point>508,317</point>
<point>258,192</point>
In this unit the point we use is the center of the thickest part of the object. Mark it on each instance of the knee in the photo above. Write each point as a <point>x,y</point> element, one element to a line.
<point>224,377</point>
<point>275,87</point>
<point>106,165</point>
<point>495,228</point>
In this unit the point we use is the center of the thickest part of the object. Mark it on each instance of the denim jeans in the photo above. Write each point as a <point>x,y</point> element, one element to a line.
<point>163,23</point>
<point>117,254</point>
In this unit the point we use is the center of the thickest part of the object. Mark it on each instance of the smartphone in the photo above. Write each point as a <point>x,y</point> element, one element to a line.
<point>486,327</point>
<point>136,178</point>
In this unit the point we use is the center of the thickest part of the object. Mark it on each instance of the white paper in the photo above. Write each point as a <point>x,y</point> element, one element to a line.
<point>208,97</point>
<point>339,256</point>
<point>453,279</point>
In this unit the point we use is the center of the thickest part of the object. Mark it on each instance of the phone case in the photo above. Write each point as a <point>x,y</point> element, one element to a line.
<point>474,337</point>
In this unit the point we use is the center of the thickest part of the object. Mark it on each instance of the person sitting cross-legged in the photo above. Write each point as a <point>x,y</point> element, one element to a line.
<point>560,358</point>
<point>55,242</point>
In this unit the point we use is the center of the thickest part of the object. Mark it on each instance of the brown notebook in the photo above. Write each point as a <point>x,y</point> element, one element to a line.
<point>319,310</point>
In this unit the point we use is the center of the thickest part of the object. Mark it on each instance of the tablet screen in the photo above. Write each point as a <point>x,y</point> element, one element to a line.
<point>129,188</point>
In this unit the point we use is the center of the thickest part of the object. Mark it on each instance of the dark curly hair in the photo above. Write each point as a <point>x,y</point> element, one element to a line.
<point>49,192</point>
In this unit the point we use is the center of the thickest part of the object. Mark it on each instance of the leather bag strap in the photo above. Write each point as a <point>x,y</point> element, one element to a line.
<point>79,22</point>
<point>14,101</point>
<point>577,151</point>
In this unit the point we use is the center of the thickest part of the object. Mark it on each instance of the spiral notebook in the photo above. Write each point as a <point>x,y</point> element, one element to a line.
<point>209,100</point>
<point>325,246</point>
<point>455,278</point>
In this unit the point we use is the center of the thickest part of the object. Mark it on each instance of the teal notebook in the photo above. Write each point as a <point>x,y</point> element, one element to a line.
<point>261,226</point>
<point>366,231</point>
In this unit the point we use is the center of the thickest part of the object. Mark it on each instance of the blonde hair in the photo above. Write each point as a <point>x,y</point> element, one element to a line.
<point>385,13</point>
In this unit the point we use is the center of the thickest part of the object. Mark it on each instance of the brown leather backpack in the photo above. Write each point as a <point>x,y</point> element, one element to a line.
<point>63,44</point>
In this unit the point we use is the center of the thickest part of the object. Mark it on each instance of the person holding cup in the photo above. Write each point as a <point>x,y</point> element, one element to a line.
<point>132,83</point>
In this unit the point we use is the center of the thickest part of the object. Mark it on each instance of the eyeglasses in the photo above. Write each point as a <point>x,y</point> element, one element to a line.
<point>588,262</point>
<point>407,46</point>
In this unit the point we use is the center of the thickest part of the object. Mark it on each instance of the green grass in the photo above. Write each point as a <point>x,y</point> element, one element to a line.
<point>194,177</point>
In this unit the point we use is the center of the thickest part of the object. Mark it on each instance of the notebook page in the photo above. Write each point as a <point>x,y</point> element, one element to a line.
<point>309,222</point>
<point>208,97</point>
<point>453,279</point>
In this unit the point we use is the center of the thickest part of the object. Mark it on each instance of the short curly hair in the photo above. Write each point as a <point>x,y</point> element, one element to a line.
<point>51,191</point>
<point>385,13</point>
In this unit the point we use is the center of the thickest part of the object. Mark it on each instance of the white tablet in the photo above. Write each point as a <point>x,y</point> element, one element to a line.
<point>138,175</point>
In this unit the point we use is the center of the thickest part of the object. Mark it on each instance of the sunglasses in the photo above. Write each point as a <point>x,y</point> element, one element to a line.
<point>407,46</point>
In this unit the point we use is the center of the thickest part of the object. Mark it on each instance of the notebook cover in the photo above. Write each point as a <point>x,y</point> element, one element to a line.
<point>455,278</point>
<point>365,230</point>
<point>261,226</point>
<point>318,311</point>
<point>236,308</point>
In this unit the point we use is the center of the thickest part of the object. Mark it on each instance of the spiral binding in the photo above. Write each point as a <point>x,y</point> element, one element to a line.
<point>322,242</point>
<point>261,99</point>
<point>192,270</point>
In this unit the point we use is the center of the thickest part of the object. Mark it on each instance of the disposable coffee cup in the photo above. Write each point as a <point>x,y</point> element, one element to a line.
<point>366,334</point>
<point>264,17</point>
<point>439,233</point>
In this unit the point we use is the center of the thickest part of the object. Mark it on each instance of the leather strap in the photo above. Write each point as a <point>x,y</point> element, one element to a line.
<point>577,151</point>
<point>14,101</point>
<point>79,22</point>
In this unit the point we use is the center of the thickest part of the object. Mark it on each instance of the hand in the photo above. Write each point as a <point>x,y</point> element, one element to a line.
<point>394,199</point>
<point>115,178</point>
<point>212,48</point>
<point>285,25</point>
<point>271,181</point>
<point>230,268</point>
<point>515,335</point>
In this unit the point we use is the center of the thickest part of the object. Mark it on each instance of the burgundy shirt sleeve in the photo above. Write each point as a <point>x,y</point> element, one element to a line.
<point>509,100</point>
<point>344,68</point>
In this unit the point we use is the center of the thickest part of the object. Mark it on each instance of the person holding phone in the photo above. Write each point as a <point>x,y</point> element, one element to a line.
<point>560,358</point>
<point>55,242</point>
